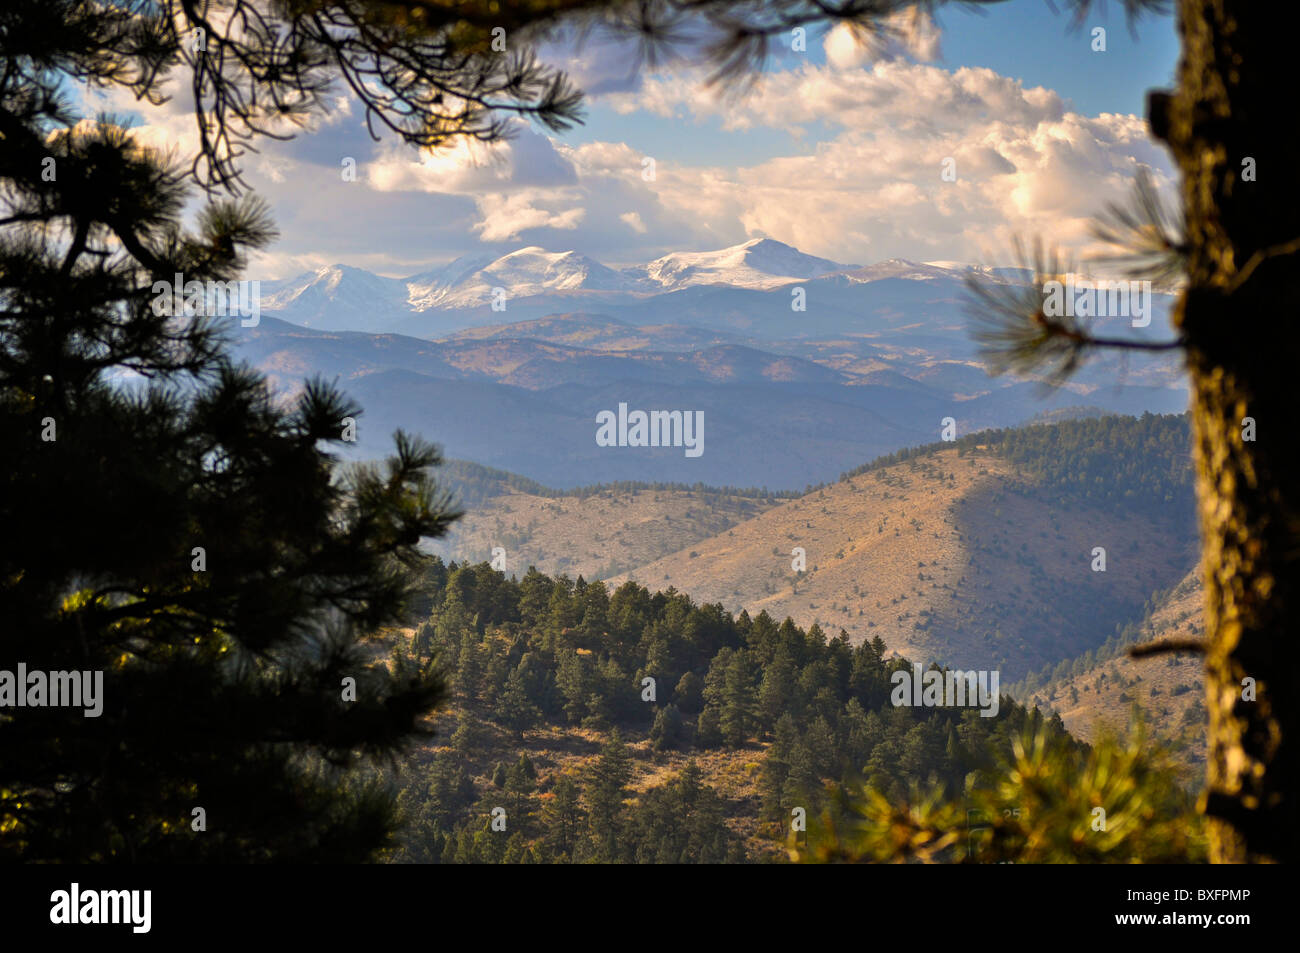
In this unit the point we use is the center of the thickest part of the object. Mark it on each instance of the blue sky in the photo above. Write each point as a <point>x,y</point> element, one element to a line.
<point>838,151</point>
<point>1021,39</point>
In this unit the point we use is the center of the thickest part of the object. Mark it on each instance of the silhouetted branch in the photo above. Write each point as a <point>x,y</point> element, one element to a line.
<point>1015,332</point>
<point>1167,645</point>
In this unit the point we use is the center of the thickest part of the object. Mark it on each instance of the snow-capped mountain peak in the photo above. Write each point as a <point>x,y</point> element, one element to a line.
<point>759,263</point>
<point>333,286</point>
<point>533,282</point>
<point>525,272</point>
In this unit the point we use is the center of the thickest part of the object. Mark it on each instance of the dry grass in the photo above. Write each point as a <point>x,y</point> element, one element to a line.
<point>1106,693</point>
<point>960,568</point>
<point>594,536</point>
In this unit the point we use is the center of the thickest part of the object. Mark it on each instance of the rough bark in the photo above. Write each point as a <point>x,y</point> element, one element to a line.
<point>1235,100</point>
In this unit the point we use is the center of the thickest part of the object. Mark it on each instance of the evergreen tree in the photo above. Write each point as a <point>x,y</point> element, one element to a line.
<point>737,717</point>
<point>708,732</point>
<point>520,785</point>
<point>469,668</point>
<point>467,735</point>
<point>689,693</point>
<point>668,730</point>
<point>777,690</point>
<point>776,769</point>
<point>574,685</point>
<point>918,759</point>
<point>515,709</point>
<point>182,532</point>
<point>563,818</point>
<point>535,597</point>
<point>606,788</point>
<point>803,785</point>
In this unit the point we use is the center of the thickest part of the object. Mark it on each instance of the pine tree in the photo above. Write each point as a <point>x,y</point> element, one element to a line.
<point>574,685</point>
<point>689,693</point>
<point>776,693</point>
<point>737,717</point>
<point>606,788</point>
<point>469,668</point>
<point>520,785</point>
<point>467,735</point>
<point>563,817</point>
<point>708,730</point>
<point>668,730</point>
<point>776,769</point>
<point>803,785</point>
<point>184,534</point>
<point>514,708</point>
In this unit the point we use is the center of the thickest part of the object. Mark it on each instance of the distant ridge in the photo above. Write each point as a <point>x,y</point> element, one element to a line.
<point>343,297</point>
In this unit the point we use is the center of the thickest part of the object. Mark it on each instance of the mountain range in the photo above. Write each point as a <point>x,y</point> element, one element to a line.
<point>746,288</point>
<point>877,359</point>
<point>339,297</point>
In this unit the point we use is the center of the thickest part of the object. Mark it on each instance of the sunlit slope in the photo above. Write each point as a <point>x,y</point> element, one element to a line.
<point>1168,688</point>
<point>950,557</point>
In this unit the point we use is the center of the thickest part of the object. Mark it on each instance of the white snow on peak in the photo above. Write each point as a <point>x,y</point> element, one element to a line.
<point>468,282</point>
<point>760,263</point>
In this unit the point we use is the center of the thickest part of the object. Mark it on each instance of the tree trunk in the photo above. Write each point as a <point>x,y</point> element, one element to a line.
<point>1234,103</point>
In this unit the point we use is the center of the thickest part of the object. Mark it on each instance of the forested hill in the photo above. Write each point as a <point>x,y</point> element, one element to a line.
<point>643,726</point>
<point>1099,689</point>
<point>473,484</point>
<point>982,552</point>
<point>1114,481</point>
<point>975,552</point>
<point>1136,463</point>
<point>1107,459</point>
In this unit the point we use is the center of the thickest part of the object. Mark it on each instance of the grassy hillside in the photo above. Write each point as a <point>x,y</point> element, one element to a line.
<point>1098,691</point>
<point>978,554</point>
<point>596,531</point>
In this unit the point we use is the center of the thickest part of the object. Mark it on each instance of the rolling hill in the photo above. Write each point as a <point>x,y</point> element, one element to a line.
<point>948,559</point>
<point>977,554</point>
<point>1098,691</point>
<point>597,532</point>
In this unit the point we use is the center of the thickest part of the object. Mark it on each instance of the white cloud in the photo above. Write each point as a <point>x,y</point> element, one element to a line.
<point>504,217</point>
<point>1025,164</point>
<point>869,187</point>
<point>911,32</point>
<point>528,160</point>
<point>634,222</point>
